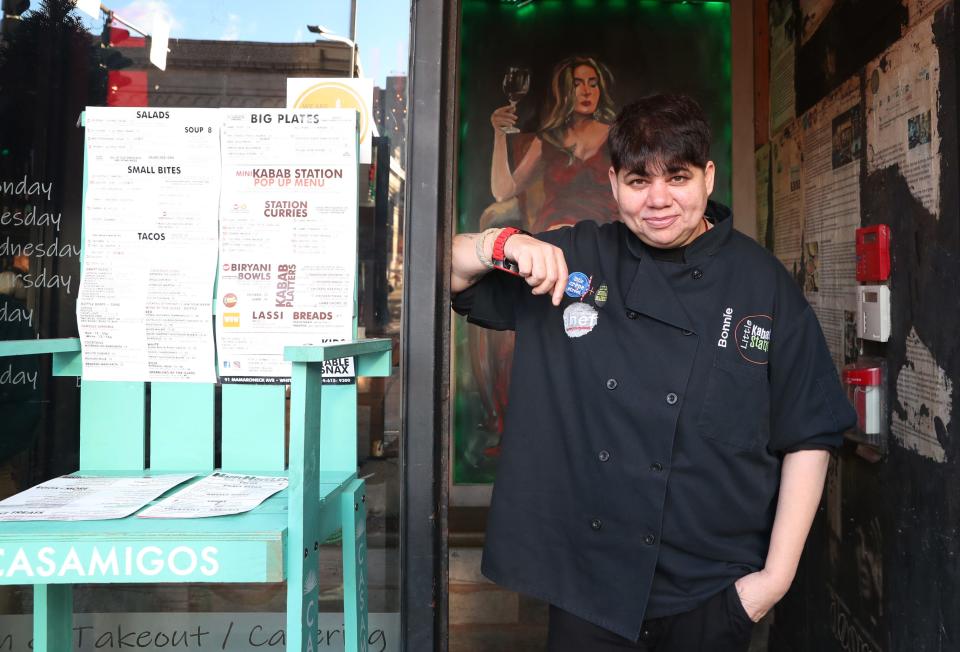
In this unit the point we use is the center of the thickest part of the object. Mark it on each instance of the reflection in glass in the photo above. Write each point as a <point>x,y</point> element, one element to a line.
<point>54,63</point>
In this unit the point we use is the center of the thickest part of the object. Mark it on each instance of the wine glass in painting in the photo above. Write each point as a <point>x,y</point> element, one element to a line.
<point>516,83</point>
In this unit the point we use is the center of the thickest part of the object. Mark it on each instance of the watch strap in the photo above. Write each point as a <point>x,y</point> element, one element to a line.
<point>499,258</point>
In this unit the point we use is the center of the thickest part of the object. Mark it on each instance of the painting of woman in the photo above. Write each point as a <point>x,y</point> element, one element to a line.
<point>560,180</point>
<point>568,153</point>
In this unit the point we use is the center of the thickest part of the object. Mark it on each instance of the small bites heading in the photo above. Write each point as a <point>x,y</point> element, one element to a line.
<point>285,208</point>
<point>153,169</point>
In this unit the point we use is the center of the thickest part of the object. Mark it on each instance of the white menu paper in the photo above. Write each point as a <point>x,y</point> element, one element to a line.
<point>288,239</point>
<point>218,494</point>
<point>87,498</point>
<point>150,244</point>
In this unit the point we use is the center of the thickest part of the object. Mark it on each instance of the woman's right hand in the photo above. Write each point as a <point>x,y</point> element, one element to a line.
<point>505,116</point>
<point>542,265</point>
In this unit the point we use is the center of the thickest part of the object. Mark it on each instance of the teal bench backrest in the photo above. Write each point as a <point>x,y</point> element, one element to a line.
<point>182,426</point>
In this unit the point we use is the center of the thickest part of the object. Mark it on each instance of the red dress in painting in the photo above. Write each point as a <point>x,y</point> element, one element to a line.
<point>574,190</point>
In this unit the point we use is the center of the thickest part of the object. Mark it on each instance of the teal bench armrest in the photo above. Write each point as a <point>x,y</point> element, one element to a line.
<point>373,355</point>
<point>34,347</point>
<point>66,352</point>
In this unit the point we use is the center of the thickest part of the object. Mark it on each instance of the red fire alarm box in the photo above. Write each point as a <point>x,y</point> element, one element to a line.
<point>873,253</point>
<point>866,390</point>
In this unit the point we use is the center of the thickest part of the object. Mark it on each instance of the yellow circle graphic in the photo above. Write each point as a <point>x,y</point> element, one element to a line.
<point>334,95</point>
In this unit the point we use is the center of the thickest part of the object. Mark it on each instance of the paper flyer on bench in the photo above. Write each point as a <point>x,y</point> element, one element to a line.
<point>150,244</point>
<point>218,494</point>
<point>87,498</point>
<point>288,239</point>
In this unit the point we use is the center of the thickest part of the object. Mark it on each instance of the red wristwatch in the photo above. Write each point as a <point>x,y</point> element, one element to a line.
<point>498,258</point>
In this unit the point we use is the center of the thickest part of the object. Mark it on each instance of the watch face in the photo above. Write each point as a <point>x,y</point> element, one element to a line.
<point>507,266</point>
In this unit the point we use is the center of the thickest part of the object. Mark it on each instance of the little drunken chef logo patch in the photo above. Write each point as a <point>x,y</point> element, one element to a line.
<point>579,319</point>
<point>752,338</point>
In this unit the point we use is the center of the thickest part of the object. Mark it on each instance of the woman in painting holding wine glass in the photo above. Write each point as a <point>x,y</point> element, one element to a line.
<point>561,179</point>
<point>569,149</point>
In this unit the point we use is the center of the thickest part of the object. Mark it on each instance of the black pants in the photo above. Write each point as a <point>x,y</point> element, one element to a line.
<point>718,625</point>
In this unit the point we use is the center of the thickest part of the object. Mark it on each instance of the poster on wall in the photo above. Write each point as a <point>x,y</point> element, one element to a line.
<point>832,151</point>
<point>535,109</point>
<point>902,90</point>
<point>288,239</point>
<point>787,197</point>
<point>150,244</point>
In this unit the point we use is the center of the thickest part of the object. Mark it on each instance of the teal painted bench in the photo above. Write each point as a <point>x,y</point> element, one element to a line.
<point>278,541</point>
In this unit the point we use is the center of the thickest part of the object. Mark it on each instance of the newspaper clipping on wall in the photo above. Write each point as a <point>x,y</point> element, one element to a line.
<point>786,155</point>
<point>902,88</point>
<point>921,417</point>
<point>832,150</point>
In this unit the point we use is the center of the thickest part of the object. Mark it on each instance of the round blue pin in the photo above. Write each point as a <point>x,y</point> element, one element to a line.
<point>578,284</point>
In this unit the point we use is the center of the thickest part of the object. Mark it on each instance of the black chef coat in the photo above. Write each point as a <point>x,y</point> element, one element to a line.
<point>642,451</point>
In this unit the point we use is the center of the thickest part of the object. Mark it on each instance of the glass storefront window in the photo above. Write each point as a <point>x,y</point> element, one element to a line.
<point>54,61</point>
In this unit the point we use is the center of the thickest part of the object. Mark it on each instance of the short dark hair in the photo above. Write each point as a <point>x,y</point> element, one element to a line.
<point>660,133</point>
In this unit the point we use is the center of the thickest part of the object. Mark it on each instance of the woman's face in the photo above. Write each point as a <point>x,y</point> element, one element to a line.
<point>586,89</point>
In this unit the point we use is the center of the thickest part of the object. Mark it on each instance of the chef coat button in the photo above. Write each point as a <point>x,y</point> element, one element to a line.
<point>649,539</point>
<point>632,315</point>
<point>687,333</point>
<point>612,383</point>
<point>596,524</point>
<point>603,456</point>
<point>645,635</point>
<point>672,399</point>
<point>656,467</point>
<point>697,273</point>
